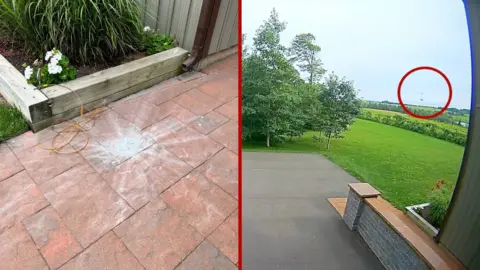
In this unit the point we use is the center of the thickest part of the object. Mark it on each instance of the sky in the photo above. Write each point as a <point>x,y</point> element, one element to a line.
<point>375,42</point>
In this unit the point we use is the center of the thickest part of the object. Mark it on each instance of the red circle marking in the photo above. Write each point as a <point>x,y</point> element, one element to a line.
<point>424,116</point>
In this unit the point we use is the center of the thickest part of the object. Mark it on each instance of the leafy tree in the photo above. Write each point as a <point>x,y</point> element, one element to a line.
<point>269,95</point>
<point>304,53</point>
<point>244,46</point>
<point>339,104</point>
<point>312,106</point>
<point>304,106</point>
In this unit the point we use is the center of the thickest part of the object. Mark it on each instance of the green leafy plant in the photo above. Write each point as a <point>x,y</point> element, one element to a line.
<point>56,69</point>
<point>86,30</point>
<point>154,42</point>
<point>439,201</point>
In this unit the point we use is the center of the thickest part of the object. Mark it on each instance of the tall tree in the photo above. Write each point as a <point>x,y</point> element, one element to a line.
<point>267,37</point>
<point>244,46</point>
<point>270,104</point>
<point>305,54</point>
<point>339,104</point>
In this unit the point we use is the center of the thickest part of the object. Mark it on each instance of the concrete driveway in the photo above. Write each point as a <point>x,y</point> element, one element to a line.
<point>287,221</point>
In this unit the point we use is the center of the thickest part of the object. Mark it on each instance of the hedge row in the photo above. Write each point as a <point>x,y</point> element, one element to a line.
<point>428,128</point>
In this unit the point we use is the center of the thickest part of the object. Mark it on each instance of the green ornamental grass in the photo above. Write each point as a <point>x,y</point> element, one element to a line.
<point>85,30</point>
<point>439,202</point>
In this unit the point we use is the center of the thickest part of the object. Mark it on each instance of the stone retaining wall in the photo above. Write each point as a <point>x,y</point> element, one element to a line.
<point>393,251</point>
<point>390,248</point>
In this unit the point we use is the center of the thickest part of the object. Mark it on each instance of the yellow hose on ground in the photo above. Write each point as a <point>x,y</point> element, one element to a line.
<point>75,128</point>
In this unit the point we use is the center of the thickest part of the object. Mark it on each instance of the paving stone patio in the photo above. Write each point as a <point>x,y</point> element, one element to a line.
<point>155,188</point>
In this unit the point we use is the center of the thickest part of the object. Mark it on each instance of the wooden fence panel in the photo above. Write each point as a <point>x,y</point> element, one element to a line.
<point>192,23</point>
<point>225,25</point>
<point>164,19</point>
<point>179,18</point>
<point>151,13</point>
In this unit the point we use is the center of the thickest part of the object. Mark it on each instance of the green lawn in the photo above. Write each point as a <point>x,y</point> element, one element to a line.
<point>383,112</point>
<point>403,165</point>
<point>12,122</point>
<point>463,118</point>
<point>441,124</point>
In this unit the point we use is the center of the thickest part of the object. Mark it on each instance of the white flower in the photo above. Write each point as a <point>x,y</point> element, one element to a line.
<point>54,61</point>
<point>57,55</point>
<point>28,72</point>
<point>147,29</point>
<point>54,68</point>
<point>48,55</point>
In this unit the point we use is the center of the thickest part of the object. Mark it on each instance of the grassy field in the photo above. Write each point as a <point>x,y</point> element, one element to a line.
<point>461,115</point>
<point>463,118</point>
<point>403,165</point>
<point>11,122</point>
<point>441,124</point>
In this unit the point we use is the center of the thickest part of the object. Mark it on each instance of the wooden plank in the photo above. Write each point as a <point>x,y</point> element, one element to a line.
<point>63,98</point>
<point>234,34</point>
<point>339,204</point>
<point>191,28</point>
<point>229,27</point>
<point>112,80</point>
<point>114,72</point>
<point>72,113</point>
<point>225,28</point>
<point>143,7</point>
<point>151,13</point>
<point>15,89</point>
<point>165,16</point>
<point>217,31</point>
<point>179,21</point>
<point>215,57</point>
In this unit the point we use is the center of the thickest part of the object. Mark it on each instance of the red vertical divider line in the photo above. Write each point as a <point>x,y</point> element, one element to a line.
<point>240,258</point>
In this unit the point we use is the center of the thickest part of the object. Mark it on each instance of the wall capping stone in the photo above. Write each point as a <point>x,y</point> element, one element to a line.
<point>364,190</point>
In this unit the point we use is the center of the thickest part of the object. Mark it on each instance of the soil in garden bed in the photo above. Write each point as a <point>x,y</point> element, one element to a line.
<point>86,70</point>
<point>17,57</point>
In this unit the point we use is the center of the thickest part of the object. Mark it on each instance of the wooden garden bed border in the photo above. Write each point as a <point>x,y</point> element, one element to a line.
<point>43,108</point>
